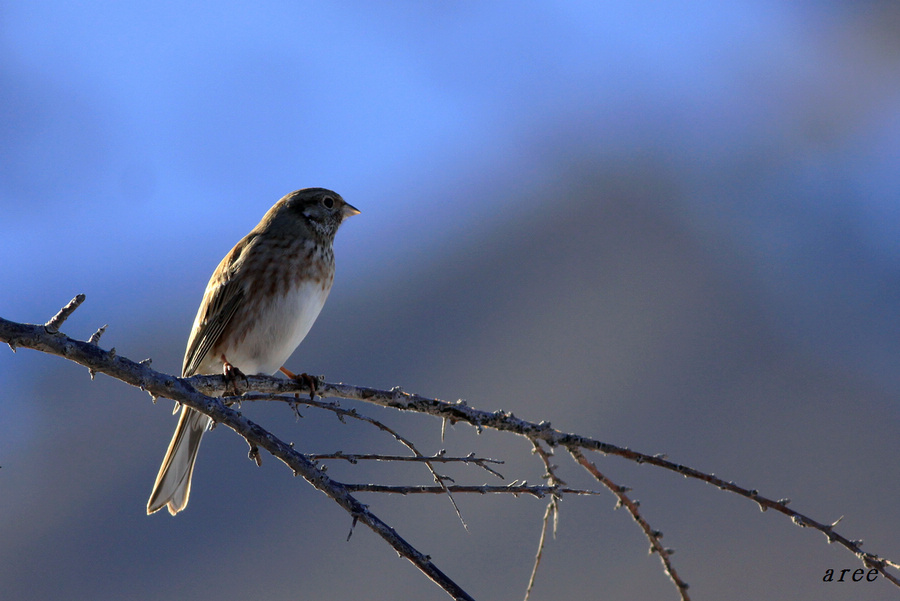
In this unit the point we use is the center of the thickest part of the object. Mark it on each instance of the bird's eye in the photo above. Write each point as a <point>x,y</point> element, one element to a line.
<point>328,202</point>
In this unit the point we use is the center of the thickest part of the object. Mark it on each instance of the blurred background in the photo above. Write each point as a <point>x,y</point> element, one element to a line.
<point>672,226</point>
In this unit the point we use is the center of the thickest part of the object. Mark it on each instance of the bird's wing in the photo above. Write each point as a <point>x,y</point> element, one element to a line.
<point>223,296</point>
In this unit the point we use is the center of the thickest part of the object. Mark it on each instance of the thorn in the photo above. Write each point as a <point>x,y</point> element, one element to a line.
<point>12,346</point>
<point>112,352</point>
<point>92,373</point>
<point>352,526</point>
<point>174,409</point>
<point>399,397</point>
<point>95,337</point>
<point>254,455</point>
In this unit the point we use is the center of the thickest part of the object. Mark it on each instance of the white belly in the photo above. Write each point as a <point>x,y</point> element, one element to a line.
<point>287,321</point>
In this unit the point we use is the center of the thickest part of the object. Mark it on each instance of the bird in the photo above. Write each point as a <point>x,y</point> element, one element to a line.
<point>258,306</point>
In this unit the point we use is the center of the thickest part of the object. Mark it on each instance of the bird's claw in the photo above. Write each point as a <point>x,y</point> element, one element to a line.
<point>311,381</point>
<point>232,375</point>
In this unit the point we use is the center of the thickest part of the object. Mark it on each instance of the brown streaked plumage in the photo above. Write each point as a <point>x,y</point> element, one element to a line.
<point>259,304</point>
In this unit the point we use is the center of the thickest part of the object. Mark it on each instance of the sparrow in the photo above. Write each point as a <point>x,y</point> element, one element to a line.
<point>259,304</point>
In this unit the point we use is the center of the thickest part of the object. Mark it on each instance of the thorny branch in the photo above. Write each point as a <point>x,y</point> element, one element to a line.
<point>437,458</point>
<point>194,392</point>
<point>514,488</point>
<point>503,421</point>
<point>354,414</point>
<point>665,555</point>
<point>158,384</point>
<point>552,511</point>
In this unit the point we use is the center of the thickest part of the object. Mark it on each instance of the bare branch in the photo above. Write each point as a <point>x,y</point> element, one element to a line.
<point>515,488</point>
<point>40,337</point>
<point>437,458</point>
<point>507,422</point>
<point>504,421</point>
<point>354,414</point>
<point>162,385</point>
<point>665,555</point>
<point>552,509</point>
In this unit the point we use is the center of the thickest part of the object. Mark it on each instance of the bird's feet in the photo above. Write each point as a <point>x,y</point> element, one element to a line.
<point>304,378</point>
<point>232,375</point>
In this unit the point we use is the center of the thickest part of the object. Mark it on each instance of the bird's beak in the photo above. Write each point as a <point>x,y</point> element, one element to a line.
<point>349,211</point>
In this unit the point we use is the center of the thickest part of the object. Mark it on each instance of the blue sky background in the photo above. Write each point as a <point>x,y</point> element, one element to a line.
<point>685,213</point>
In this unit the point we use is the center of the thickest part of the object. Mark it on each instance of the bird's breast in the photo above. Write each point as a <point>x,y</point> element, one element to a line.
<point>280,325</point>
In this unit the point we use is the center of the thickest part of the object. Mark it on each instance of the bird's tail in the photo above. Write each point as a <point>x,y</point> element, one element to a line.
<point>173,483</point>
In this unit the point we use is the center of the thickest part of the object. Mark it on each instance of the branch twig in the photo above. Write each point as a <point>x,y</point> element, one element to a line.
<point>515,488</point>
<point>552,510</point>
<point>57,320</point>
<point>437,458</point>
<point>665,555</point>
<point>354,414</point>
